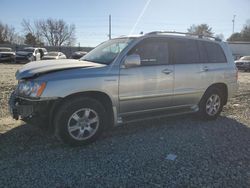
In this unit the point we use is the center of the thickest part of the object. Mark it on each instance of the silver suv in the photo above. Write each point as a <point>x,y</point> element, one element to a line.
<point>126,79</point>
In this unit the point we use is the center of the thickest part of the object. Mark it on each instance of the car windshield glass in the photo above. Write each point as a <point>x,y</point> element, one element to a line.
<point>106,52</point>
<point>52,54</point>
<point>5,50</point>
<point>245,58</point>
<point>28,50</point>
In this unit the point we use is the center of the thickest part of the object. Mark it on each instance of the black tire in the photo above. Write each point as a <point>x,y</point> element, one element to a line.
<point>206,100</point>
<point>64,117</point>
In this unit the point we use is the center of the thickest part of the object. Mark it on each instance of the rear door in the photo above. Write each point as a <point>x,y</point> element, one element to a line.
<point>188,68</point>
<point>150,85</point>
<point>214,63</point>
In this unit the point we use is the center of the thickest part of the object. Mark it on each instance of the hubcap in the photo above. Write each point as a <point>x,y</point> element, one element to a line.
<point>213,105</point>
<point>83,124</point>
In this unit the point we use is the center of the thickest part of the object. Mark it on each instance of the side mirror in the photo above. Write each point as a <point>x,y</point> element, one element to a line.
<point>133,60</point>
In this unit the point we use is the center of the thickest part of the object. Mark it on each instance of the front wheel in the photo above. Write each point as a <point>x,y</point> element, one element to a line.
<point>80,121</point>
<point>211,104</point>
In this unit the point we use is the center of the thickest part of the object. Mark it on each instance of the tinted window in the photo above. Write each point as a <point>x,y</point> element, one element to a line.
<point>214,53</point>
<point>185,51</point>
<point>152,52</point>
<point>203,52</point>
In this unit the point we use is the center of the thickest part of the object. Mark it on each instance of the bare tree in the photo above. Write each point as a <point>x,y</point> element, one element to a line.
<point>51,31</point>
<point>202,29</point>
<point>7,33</point>
<point>56,32</point>
<point>32,30</point>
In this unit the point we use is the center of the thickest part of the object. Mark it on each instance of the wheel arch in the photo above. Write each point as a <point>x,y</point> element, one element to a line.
<point>222,87</point>
<point>101,97</point>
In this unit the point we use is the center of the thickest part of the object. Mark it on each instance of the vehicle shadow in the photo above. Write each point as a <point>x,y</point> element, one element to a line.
<point>28,137</point>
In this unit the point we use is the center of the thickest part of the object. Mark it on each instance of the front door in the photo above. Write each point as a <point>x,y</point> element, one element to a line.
<point>150,85</point>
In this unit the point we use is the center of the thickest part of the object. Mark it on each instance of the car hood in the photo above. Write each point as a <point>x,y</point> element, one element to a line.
<point>41,67</point>
<point>242,61</point>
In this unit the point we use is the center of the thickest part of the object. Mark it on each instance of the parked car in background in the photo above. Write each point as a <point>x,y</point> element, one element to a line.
<point>54,55</point>
<point>243,63</point>
<point>6,54</point>
<point>29,54</point>
<point>123,80</point>
<point>78,54</point>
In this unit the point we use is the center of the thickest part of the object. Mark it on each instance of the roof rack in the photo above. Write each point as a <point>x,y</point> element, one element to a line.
<point>182,33</point>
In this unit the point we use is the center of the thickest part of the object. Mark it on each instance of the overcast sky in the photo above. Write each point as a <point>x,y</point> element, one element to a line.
<point>128,16</point>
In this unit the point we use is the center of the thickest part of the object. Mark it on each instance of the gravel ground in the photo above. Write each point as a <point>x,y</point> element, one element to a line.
<point>208,154</point>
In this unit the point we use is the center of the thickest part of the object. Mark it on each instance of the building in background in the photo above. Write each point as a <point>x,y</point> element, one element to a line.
<point>239,49</point>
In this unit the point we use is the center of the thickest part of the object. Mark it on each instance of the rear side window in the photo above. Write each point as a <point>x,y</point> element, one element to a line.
<point>214,53</point>
<point>152,52</point>
<point>185,51</point>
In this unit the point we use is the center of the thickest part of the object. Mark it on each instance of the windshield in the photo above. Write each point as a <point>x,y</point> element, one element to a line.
<point>245,58</point>
<point>28,50</point>
<point>52,54</point>
<point>106,52</point>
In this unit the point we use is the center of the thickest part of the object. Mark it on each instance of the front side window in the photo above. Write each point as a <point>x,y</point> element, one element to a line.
<point>152,52</point>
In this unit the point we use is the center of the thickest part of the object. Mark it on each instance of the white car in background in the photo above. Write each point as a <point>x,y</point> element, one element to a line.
<point>243,63</point>
<point>29,54</point>
<point>54,55</point>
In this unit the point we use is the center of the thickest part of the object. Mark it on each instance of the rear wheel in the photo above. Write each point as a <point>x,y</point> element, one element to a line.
<point>211,104</point>
<point>80,121</point>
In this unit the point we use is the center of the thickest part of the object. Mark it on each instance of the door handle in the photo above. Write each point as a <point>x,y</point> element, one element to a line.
<point>167,71</point>
<point>205,68</point>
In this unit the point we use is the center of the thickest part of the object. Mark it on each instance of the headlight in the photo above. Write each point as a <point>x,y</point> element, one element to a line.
<point>31,88</point>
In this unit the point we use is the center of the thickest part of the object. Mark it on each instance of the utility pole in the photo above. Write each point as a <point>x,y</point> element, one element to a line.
<point>109,26</point>
<point>233,22</point>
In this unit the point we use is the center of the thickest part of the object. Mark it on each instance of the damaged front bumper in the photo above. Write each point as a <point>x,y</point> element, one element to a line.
<point>25,109</point>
